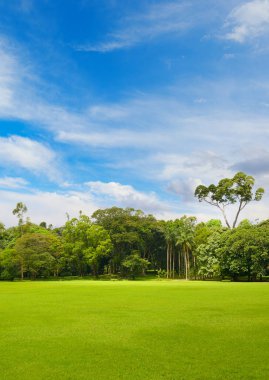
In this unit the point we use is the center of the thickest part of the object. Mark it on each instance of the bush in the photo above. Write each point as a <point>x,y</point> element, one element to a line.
<point>161,273</point>
<point>7,275</point>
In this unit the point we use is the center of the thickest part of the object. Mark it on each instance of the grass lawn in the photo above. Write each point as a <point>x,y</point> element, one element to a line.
<point>134,330</point>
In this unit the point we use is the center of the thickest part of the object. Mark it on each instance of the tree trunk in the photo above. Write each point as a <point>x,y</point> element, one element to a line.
<point>194,265</point>
<point>179,253</point>
<point>167,261</point>
<point>249,274</point>
<point>225,218</point>
<point>22,271</point>
<point>237,214</point>
<point>173,264</point>
<point>170,261</point>
<point>186,263</point>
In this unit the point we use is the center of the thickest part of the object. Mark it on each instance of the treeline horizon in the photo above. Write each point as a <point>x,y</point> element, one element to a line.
<point>124,242</point>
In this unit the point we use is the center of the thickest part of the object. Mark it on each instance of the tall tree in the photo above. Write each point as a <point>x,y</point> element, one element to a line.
<point>36,254</point>
<point>19,211</point>
<point>131,230</point>
<point>207,256</point>
<point>169,234</point>
<point>244,251</point>
<point>99,246</point>
<point>185,227</point>
<point>85,244</point>
<point>230,191</point>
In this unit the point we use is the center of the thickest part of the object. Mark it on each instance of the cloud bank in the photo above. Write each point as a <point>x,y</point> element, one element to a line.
<point>248,21</point>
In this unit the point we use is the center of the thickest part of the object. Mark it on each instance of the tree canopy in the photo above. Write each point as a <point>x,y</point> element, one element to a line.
<point>125,242</point>
<point>230,191</point>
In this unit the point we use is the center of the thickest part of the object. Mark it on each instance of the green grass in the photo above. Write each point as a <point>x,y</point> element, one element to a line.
<point>134,330</point>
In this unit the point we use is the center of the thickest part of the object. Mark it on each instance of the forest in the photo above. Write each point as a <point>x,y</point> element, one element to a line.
<point>127,243</point>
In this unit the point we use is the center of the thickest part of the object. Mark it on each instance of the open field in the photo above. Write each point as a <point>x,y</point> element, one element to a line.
<point>134,330</point>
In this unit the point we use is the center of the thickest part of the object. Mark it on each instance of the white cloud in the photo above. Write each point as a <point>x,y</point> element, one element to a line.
<point>248,21</point>
<point>8,81</point>
<point>112,193</point>
<point>119,138</point>
<point>16,151</point>
<point>142,121</point>
<point>45,206</point>
<point>152,22</point>
<point>13,182</point>
<point>127,196</point>
<point>207,139</point>
<point>52,206</point>
<point>20,97</point>
<point>145,123</point>
<point>206,164</point>
<point>156,122</point>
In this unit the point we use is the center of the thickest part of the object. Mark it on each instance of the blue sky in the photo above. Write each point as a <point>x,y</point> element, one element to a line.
<point>129,103</point>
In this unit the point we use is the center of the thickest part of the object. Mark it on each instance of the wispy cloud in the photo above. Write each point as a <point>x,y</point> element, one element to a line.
<point>169,121</point>
<point>13,182</point>
<point>17,151</point>
<point>248,21</point>
<point>152,22</point>
<point>185,165</point>
<point>8,81</point>
<point>142,120</point>
<point>150,122</point>
<point>119,138</point>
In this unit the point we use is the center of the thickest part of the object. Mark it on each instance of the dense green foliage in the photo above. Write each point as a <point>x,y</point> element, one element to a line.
<point>134,330</point>
<point>127,242</point>
<point>134,265</point>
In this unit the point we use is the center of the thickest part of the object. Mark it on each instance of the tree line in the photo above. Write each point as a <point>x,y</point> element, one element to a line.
<point>124,242</point>
<point>127,242</point>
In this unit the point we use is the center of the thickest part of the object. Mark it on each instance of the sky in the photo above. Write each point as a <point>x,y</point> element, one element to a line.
<point>131,104</point>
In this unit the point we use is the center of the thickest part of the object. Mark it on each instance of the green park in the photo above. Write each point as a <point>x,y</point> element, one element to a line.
<point>134,190</point>
<point>134,330</point>
<point>122,295</point>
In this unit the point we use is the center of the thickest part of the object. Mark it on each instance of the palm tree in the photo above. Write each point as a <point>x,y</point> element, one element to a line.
<point>169,233</point>
<point>184,239</point>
